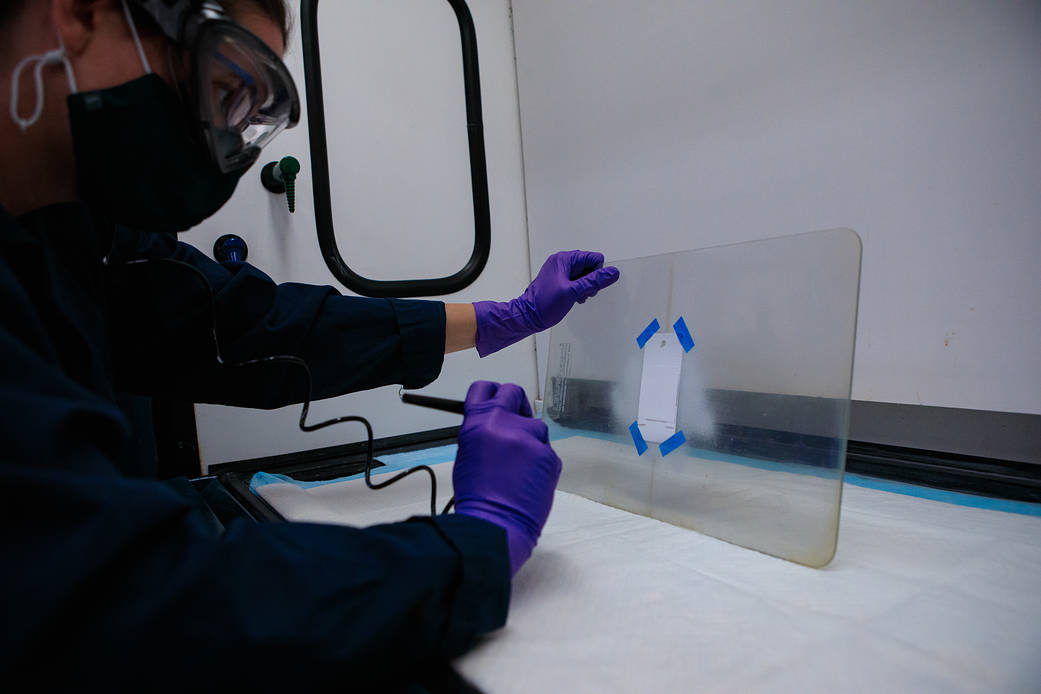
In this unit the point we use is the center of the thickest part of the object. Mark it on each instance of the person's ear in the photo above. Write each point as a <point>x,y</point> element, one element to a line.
<point>77,21</point>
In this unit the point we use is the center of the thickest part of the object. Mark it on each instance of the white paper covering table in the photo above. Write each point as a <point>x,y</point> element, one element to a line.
<point>922,596</point>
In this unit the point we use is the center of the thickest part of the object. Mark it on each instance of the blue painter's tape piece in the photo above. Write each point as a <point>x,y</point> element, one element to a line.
<point>683,334</point>
<point>672,443</point>
<point>1007,505</point>
<point>641,445</point>
<point>648,333</point>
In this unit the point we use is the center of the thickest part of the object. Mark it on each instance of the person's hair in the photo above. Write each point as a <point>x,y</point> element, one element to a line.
<point>275,10</point>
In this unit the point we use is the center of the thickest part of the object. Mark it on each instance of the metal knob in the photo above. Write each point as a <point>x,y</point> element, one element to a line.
<point>230,249</point>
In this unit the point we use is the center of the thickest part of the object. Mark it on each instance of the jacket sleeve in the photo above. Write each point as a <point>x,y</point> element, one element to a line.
<point>137,588</point>
<point>168,313</point>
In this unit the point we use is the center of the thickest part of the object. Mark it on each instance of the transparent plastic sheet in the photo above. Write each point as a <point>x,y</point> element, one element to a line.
<point>741,409</point>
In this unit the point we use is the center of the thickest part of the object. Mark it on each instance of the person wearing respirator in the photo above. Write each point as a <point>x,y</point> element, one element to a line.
<point>128,121</point>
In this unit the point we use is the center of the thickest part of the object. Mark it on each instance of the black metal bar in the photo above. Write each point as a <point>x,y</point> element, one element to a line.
<point>1003,479</point>
<point>291,463</point>
<point>320,168</point>
<point>237,485</point>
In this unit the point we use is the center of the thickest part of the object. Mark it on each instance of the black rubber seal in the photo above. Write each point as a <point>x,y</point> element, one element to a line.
<point>320,169</point>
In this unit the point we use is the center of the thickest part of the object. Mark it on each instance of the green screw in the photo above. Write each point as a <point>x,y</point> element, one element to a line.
<point>289,167</point>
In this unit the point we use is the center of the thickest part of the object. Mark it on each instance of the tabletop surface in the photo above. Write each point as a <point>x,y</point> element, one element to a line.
<point>923,595</point>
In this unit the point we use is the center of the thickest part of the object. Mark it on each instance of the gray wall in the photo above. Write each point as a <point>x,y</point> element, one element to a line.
<point>663,125</point>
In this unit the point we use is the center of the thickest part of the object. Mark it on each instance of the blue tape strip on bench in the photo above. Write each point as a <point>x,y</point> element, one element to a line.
<point>672,443</point>
<point>648,333</point>
<point>394,462</point>
<point>683,334</point>
<point>641,445</point>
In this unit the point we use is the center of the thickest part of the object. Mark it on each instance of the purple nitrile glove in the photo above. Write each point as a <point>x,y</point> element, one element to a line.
<point>505,470</point>
<point>566,278</point>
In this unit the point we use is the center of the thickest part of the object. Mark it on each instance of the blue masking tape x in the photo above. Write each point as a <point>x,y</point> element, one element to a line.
<point>648,333</point>
<point>683,334</point>
<point>672,443</point>
<point>641,445</point>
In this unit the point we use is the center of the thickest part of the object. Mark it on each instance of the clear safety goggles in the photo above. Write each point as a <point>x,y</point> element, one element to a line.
<point>243,92</point>
<point>238,88</point>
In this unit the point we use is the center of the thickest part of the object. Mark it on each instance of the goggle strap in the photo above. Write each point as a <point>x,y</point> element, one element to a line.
<point>137,39</point>
<point>234,67</point>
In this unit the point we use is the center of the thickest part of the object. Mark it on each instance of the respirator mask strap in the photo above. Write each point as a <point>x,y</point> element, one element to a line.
<point>55,57</point>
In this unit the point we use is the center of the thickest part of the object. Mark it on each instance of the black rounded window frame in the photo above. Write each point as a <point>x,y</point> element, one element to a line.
<point>320,169</point>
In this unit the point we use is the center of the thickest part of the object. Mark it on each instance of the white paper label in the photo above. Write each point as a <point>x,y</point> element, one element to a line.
<point>660,387</point>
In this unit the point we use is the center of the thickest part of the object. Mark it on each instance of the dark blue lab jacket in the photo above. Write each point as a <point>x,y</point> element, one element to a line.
<point>116,581</point>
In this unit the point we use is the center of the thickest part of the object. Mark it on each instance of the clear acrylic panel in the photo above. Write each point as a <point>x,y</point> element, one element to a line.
<point>741,408</point>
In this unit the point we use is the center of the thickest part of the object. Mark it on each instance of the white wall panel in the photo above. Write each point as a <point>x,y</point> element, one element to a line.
<point>400,181</point>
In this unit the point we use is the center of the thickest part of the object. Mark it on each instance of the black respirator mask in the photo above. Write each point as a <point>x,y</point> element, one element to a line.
<point>155,158</point>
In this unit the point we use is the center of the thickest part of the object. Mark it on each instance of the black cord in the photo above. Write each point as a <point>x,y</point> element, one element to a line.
<point>300,363</point>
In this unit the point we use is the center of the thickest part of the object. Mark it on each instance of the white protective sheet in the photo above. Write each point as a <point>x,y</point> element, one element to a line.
<point>922,596</point>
